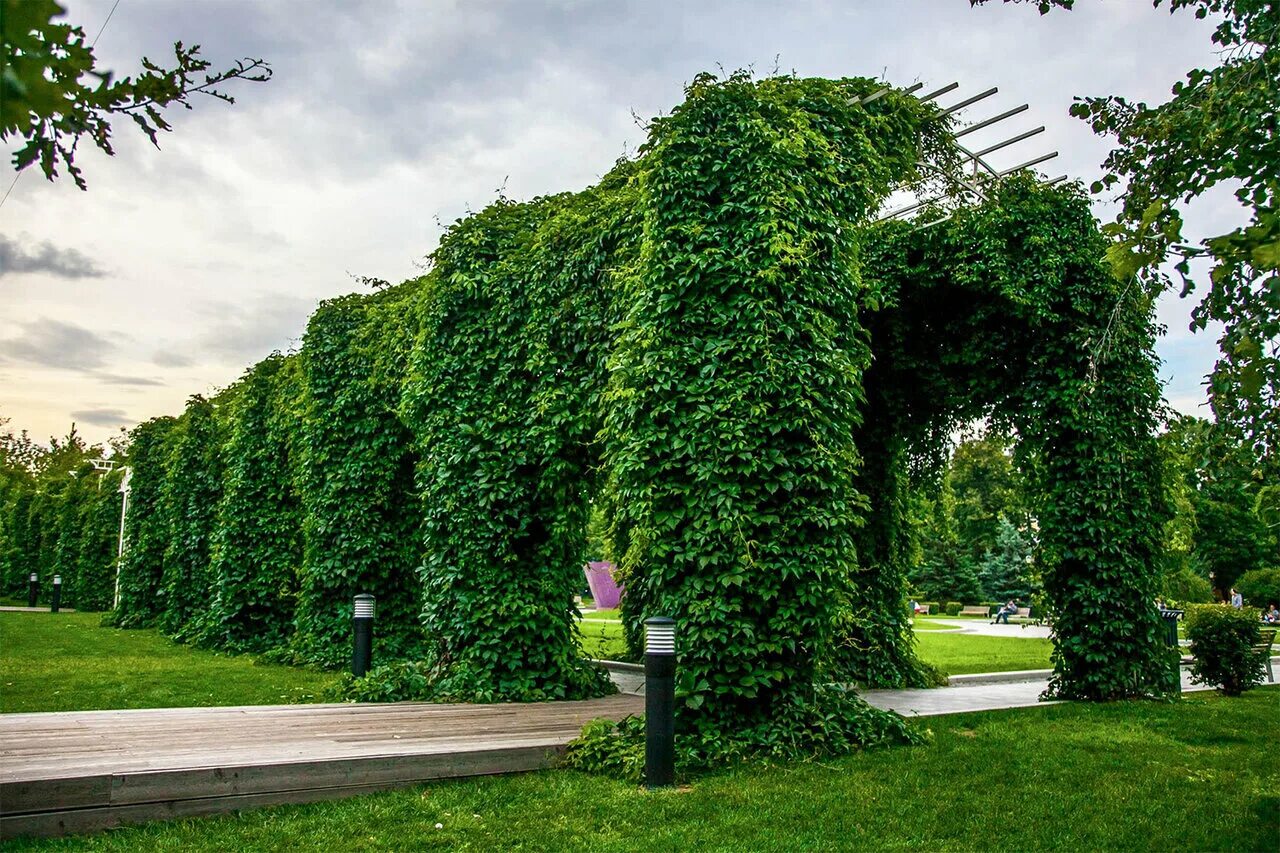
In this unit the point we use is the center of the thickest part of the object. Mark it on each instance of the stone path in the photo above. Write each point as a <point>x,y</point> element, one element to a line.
<point>991,691</point>
<point>44,609</point>
<point>984,628</point>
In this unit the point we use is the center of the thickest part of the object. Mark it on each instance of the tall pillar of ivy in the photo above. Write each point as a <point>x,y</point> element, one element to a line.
<point>146,524</point>
<point>98,527</point>
<point>504,401</point>
<point>192,489</point>
<point>257,545</point>
<point>360,516</point>
<point>737,383</point>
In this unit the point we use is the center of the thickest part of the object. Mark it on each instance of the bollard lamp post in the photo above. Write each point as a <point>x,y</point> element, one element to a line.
<point>1169,628</point>
<point>362,631</point>
<point>659,702</point>
<point>33,589</point>
<point>56,599</point>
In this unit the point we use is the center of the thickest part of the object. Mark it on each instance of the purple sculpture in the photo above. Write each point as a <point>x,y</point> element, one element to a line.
<point>604,592</point>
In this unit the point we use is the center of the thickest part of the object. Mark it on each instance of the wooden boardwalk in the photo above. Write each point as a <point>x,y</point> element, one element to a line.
<point>82,771</point>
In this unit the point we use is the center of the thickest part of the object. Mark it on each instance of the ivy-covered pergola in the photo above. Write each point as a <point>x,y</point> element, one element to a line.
<point>729,350</point>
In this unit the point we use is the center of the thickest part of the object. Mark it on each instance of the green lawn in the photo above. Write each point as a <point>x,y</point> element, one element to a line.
<point>957,654</point>
<point>68,662</point>
<point>1197,774</point>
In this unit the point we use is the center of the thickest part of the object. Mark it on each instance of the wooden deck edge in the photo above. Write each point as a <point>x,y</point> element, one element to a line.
<point>161,795</point>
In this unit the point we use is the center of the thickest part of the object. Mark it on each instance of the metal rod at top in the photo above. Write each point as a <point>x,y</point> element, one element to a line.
<point>1028,164</point>
<point>967,101</point>
<point>979,125</point>
<point>1010,141</point>
<point>937,92</point>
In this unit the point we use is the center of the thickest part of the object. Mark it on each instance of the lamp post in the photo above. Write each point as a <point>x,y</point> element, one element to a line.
<point>362,629</point>
<point>56,598</point>
<point>33,589</point>
<point>659,702</point>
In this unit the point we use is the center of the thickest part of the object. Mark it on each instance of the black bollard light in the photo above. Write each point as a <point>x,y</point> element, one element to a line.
<point>660,702</point>
<point>33,589</point>
<point>362,625</point>
<point>1169,628</point>
<point>57,594</point>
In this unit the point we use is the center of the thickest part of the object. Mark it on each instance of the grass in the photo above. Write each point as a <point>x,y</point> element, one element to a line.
<point>1198,774</point>
<point>958,654</point>
<point>602,614</point>
<point>68,662</point>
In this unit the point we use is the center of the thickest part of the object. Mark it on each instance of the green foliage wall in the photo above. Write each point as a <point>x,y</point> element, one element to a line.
<point>146,527</point>
<point>736,387</point>
<point>716,351</point>
<point>98,530</point>
<point>257,542</point>
<point>504,401</point>
<point>190,496</point>
<point>356,484</point>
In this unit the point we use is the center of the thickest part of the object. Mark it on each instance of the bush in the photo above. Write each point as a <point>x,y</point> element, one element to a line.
<point>1187,587</point>
<point>1222,640</point>
<point>953,608</point>
<point>1260,587</point>
<point>934,607</point>
<point>411,680</point>
<point>829,722</point>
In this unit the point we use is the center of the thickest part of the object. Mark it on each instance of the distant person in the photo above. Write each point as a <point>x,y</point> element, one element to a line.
<point>1272,614</point>
<point>1009,609</point>
<point>1237,600</point>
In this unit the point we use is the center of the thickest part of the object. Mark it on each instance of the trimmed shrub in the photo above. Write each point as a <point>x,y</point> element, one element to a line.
<point>953,608</point>
<point>1222,640</point>
<point>1260,587</point>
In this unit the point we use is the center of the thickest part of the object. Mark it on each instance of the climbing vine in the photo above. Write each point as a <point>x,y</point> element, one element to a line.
<point>257,542</point>
<point>190,496</point>
<point>720,356</point>
<point>146,526</point>
<point>356,485</point>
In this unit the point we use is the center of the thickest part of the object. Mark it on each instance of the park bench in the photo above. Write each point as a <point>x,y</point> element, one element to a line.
<point>976,610</point>
<point>1265,639</point>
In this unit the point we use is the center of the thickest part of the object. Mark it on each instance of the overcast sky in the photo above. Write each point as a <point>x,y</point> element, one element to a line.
<point>180,267</point>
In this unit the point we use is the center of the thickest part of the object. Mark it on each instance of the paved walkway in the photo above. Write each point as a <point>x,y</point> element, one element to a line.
<point>44,609</point>
<point>984,628</point>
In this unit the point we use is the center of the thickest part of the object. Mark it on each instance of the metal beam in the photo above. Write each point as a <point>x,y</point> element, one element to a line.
<point>1028,164</point>
<point>1010,141</point>
<point>967,101</point>
<point>875,96</point>
<point>980,125</point>
<point>937,92</point>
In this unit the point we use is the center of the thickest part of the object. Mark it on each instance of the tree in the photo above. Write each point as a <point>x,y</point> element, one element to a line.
<point>1221,500</point>
<point>49,98</point>
<point>1218,128</point>
<point>987,487</point>
<point>1006,567</point>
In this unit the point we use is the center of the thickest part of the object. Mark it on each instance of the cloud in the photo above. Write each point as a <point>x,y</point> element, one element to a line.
<point>243,333</point>
<point>46,258</point>
<point>102,417</point>
<point>130,381</point>
<point>53,343</point>
<point>169,358</point>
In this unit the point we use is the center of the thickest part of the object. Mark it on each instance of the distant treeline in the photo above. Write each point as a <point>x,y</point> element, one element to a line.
<point>58,516</point>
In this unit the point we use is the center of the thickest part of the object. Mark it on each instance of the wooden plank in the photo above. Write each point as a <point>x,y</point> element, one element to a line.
<point>47,824</point>
<point>69,793</point>
<point>233,781</point>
